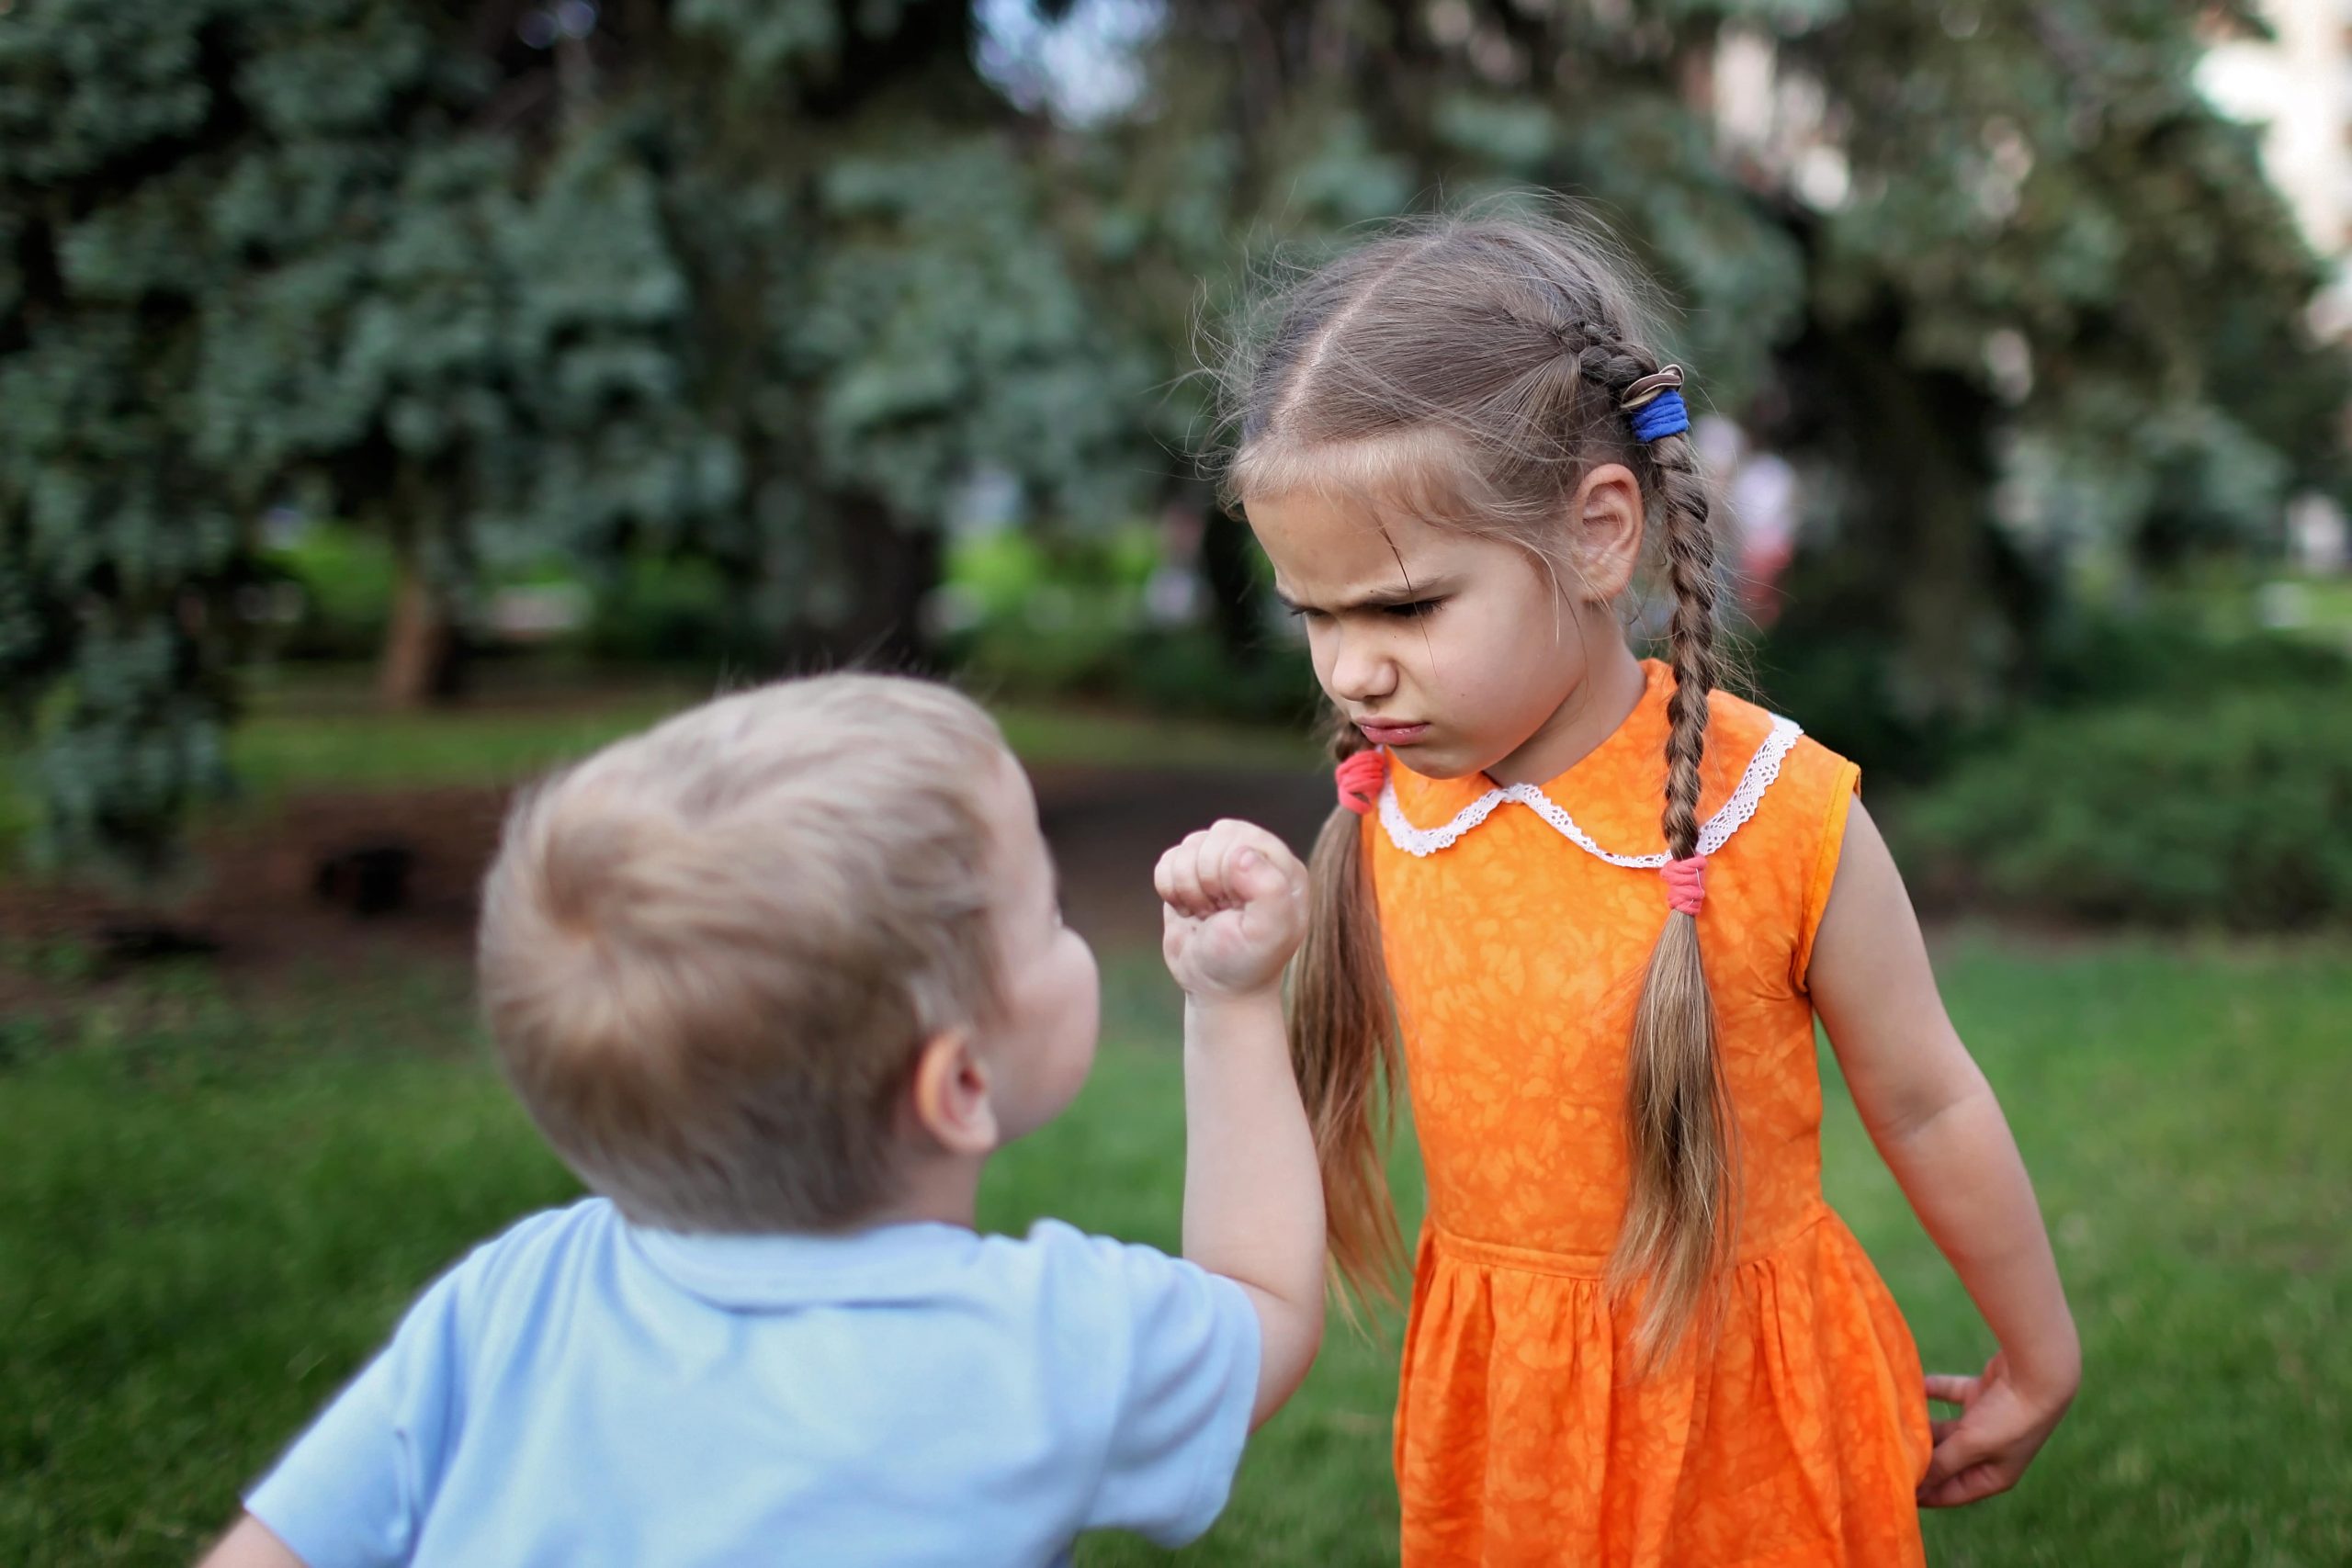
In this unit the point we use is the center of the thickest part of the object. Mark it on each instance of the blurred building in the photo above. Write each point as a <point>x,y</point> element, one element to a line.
<point>2297,84</point>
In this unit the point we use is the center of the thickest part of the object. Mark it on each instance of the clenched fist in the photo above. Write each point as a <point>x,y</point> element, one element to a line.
<point>1233,910</point>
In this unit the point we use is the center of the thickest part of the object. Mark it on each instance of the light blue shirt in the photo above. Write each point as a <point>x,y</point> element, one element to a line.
<point>583,1392</point>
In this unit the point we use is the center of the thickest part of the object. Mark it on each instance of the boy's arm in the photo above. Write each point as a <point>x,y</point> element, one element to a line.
<point>250,1544</point>
<point>1235,901</point>
<point>1936,1122</point>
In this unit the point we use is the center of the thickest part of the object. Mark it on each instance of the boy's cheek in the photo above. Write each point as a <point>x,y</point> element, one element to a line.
<point>1084,1027</point>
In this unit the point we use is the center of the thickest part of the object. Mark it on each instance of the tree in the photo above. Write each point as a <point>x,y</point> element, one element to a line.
<point>2019,296</point>
<point>754,281</point>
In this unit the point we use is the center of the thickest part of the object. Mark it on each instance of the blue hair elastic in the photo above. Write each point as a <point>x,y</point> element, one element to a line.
<point>1654,404</point>
<point>1662,415</point>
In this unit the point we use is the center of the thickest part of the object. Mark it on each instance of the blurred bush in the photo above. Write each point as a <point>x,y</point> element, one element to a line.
<point>346,576</point>
<point>329,594</point>
<point>2181,782</point>
<point>665,610</point>
<point>1045,617</point>
<point>1034,614</point>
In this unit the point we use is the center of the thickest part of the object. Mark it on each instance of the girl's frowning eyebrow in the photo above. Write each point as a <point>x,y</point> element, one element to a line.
<point>1379,599</point>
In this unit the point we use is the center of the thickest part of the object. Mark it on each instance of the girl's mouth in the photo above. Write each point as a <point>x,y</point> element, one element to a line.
<point>1381,734</point>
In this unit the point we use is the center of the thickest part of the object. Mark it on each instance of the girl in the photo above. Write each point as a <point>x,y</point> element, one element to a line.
<point>1600,902</point>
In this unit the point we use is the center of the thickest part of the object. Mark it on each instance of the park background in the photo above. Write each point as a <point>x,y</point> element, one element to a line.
<point>398,397</point>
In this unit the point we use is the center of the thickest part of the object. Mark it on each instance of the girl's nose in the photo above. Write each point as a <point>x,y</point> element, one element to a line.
<point>1362,670</point>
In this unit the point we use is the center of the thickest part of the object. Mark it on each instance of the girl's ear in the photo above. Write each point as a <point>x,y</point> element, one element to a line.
<point>949,1096</point>
<point>1608,517</point>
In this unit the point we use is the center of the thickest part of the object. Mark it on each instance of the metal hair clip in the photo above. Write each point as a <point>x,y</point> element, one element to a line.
<point>1651,386</point>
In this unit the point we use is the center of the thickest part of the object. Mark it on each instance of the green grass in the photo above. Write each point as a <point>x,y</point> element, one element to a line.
<point>325,733</point>
<point>276,752</point>
<point>209,1216</point>
<point>284,747</point>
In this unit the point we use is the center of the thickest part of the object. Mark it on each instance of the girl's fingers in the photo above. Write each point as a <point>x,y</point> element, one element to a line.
<point>1961,1449</point>
<point>1946,1389</point>
<point>1938,1430</point>
<point>1971,1485</point>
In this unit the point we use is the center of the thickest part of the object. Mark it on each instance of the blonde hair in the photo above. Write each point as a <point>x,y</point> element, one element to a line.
<point>1471,371</point>
<point>710,952</point>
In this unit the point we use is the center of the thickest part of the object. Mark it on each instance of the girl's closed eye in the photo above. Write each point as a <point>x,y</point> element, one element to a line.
<point>1419,609</point>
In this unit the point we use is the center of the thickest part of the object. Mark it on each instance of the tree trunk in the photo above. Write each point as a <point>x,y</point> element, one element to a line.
<point>867,613</point>
<point>419,662</point>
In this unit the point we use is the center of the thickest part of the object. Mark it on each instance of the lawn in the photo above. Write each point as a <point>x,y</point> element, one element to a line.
<point>286,745</point>
<point>315,732</point>
<point>209,1215</point>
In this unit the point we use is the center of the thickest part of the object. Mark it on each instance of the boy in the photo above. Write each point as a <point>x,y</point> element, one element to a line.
<point>776,979</point>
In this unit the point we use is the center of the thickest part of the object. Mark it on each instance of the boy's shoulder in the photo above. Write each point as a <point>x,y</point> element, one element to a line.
<point>495,1290</point>
<point>845,1361</point>
<point>1055,1288</point>
<point>1057,1267</point>
<point>535,1242</point>
<point>1064,1268</point>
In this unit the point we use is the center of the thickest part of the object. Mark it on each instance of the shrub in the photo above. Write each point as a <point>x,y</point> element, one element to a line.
<point>345,574</point>
<point>2229,807</point>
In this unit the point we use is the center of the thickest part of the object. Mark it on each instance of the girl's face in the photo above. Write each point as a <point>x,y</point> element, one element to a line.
<point>1456,653</point>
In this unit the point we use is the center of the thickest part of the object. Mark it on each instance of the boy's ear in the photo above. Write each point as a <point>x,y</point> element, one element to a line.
<point>950,1096</point>
<point>1608,511</point>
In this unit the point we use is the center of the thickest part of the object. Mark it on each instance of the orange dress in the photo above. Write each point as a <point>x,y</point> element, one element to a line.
<point>1794,1434</point>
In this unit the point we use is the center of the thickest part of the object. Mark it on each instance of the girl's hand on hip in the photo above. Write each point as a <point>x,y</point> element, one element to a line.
<point>1233,911</point>
<point>1982,1452</point>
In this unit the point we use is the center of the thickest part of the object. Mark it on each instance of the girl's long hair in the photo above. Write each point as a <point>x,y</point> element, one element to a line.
<point>1473,370</point>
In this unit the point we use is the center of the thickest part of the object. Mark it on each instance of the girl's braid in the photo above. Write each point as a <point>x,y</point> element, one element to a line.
<point>1611,366</point>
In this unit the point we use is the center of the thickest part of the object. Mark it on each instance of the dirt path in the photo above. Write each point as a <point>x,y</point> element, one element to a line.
<point>1108,829</point>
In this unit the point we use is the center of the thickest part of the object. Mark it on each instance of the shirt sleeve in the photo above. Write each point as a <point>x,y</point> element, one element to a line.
<point>352,1490</point>
<point>1182,1414</point>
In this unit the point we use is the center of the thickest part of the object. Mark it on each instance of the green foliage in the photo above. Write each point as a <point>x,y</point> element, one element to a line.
<point>2019,299</point>
<point>2062,288</point>
<point>946,334</point>
<point>346,577</point>
<point>213,229</point>
<point>1044,618</point>
<point>766,284</point>
<point>2230,804</point>
<point>665,610</point>
<point>375,260</point>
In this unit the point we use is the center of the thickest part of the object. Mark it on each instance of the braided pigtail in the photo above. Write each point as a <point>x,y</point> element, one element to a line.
<point>1681,1213</point>
<point>1344,1050</point>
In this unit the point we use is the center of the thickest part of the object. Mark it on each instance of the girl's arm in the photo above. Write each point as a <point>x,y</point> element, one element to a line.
<point>1935,1121</point>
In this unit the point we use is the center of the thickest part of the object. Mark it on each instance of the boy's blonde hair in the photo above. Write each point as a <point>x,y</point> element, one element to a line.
<point>710,952</point>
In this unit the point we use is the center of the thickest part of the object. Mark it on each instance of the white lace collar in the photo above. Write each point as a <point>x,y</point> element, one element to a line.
<point>1762,769</point>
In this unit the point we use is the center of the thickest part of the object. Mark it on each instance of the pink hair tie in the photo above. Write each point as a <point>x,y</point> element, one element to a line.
<point>1360,778</point>
<point>1686,884</point>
